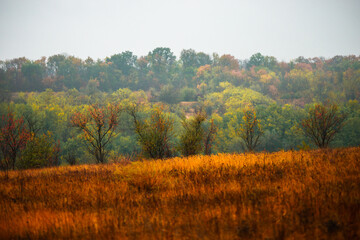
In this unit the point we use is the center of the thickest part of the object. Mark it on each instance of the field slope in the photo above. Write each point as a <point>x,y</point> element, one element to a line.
<point>283,195</point>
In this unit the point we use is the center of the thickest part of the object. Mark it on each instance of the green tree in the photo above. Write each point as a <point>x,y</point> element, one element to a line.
<point>33,74</point>
<point>161,62</point>
<point>71,151</point>
<point>154,134</point>
<point>188,58</point>
<point>41,151</point>
<point>188,94</point>
<point>168,94</point>
<point>124,61</point>
<point>256,60</point>
<point>192,138</point>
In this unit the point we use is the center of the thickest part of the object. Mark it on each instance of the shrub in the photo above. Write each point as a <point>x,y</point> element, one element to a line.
<point>40,152</point>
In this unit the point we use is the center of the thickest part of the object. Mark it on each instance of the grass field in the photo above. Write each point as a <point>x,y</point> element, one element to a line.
<point>283,195</point>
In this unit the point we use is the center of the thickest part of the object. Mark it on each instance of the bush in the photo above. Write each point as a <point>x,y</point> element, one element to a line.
<point>40,152</point>
<point>188,94</point>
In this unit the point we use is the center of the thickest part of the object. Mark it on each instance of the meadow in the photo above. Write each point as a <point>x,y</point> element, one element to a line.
<point>283,195</point>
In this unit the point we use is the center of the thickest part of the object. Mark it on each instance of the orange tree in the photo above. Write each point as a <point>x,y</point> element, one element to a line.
<point>13,138</point>
<point>98,125</point>
<point>323,123</point>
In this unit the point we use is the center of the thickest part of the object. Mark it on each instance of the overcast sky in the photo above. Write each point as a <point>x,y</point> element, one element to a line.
<point>285,29</point>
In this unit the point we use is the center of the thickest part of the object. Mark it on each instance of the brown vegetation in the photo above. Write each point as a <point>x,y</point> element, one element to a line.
<point>283,195</point>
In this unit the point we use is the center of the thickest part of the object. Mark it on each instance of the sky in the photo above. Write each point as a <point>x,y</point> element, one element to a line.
<point>285,29</point>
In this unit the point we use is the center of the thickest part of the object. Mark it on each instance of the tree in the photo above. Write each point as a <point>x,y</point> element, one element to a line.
<point>154,134</point>
<point>13,138</point>
<point>98,126</point>
<point>32,120</point>
<point>41,151</point>
<point>203,59</point>
<point>33,74</point>
<point>71,151</point>
<point>124,61</point>
<point>188,58</point>
<point>161,62</point>
<point>322,124</point>
<point>229,62</point>
<point>192,137</point>
<point>256,60</point>
<point>65,72</point>
<point>168,94</point>
<point>209,138</point>
<point>250,130</point>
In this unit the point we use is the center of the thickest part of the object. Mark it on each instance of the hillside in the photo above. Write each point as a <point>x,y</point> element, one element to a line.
<point>282,195</point>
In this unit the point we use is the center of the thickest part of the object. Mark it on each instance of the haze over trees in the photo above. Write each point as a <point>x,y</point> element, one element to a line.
<point>53,97</point>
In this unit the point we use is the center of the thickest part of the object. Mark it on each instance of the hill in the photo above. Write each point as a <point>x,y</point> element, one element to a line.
<point>282,195</point>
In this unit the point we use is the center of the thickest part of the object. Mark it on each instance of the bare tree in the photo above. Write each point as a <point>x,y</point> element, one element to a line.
<point>323,123</point>
<point>98,125</point>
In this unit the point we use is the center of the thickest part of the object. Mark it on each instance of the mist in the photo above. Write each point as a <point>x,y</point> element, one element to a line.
<point>284,29</point>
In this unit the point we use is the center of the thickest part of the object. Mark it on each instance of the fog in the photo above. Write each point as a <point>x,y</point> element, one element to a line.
<point>284,29</point>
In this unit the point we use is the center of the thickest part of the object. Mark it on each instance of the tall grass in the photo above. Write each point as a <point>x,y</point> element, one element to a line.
<point>283,195</point>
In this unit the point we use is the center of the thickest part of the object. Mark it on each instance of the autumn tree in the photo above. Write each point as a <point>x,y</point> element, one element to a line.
<point>323,123</point>
<point>197,136</point>
<point>250,130</point>
<point>154,134</point>
<point>13,138</point>
<point>98,125</point>
<point>209,138</point>
<point>229,62</point>
<point>193,135</point>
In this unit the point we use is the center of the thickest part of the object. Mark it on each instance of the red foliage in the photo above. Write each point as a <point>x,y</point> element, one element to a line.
<point>13,138</point>
<point>229,61</point>
<point>323,123</point>
<point>98,125</point>
<point>304,66</point>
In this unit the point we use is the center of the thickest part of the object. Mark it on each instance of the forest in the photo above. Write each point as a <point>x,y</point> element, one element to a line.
<point>62,110</point>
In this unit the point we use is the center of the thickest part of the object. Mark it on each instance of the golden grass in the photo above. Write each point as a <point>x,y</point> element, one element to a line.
<point>283,195</point>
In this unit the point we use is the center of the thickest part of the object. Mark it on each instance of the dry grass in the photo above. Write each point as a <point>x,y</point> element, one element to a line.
<point>284,195</point>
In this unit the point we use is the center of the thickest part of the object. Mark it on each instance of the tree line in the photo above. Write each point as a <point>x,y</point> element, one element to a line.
<point>74,111</point>
<point>188,78</point>
<point>97,127</point>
